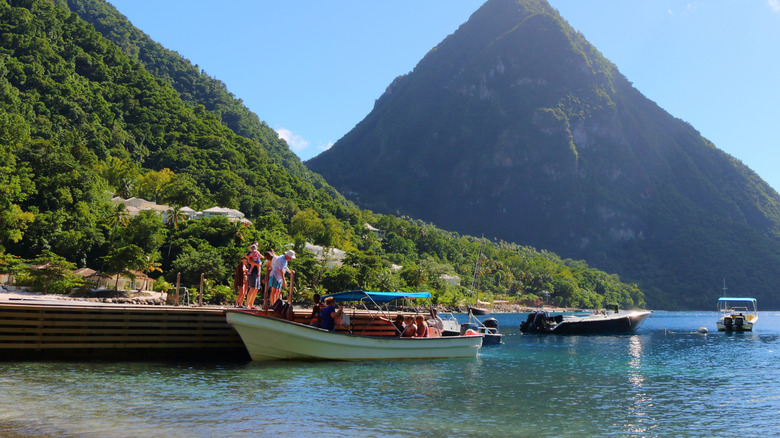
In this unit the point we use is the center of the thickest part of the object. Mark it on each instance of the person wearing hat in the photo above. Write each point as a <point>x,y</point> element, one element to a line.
<point>278,269</point>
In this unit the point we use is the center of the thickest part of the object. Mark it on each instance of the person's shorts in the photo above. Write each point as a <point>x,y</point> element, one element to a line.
<point>253,281</point>
<point>274,283</point>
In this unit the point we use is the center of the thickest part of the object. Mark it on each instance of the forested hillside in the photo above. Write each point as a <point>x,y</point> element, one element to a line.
<point>517,127</point>
<point>81,122</point>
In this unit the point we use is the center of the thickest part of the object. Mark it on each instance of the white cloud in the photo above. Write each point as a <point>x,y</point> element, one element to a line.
<point>774,4</point>
<point>295,141</point>
<point>325,147</point>
<point>691,8</point>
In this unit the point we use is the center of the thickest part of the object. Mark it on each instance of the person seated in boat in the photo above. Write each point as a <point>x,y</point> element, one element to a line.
<point>422,327</point>
<point>410,330</point>
<point>435,320</point>
<point>329,314</point>
<point>315,320</point>
<point>399,325</point>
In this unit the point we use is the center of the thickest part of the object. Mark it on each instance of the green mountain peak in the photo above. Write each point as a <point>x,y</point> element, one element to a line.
<point>516,127</point>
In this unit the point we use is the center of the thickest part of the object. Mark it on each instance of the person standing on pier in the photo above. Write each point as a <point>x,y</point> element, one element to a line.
<point>269,259</point>
<point>253,276</point>
<point>239,281</point>
<point>278,269</point>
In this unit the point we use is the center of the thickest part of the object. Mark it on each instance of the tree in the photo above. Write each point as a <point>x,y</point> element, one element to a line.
<point>415,275</point>
<point>10,264</point>
<point>119,218</point>
<point>341,279</point>
<point>124,260</point>
<point>121,175</point>
<point>388,280</point>
<point>48,268</point>
<point>307,223</point>
<point>182,190</point>
<point>173,218</point>
<point>15,181</point>
<point>145,230</point>
<point>204,260</point>
<point>151,265</point>
<point>152,184</point>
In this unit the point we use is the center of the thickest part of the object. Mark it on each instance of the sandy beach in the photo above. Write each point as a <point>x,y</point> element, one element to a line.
<point>11,294</point>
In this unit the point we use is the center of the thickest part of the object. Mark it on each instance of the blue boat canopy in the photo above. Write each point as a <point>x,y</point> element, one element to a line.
<point>377,297</point>
<point>721,299</point>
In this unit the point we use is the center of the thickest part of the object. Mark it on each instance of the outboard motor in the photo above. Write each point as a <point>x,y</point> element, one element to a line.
<point>739,321</point>
<point>466,326</point>
<point>534,323</point>
<point>539,320</point>
<point>526,325</point>
<point>491,324</point>
<point>727,321</point>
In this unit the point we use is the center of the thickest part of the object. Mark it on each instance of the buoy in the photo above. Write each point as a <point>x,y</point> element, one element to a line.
<point>703,330</point>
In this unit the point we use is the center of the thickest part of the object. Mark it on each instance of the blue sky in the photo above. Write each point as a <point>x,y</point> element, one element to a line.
<point>312,69</point>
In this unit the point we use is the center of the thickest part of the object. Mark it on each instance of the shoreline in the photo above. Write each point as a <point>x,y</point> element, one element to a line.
<point>150,298</point>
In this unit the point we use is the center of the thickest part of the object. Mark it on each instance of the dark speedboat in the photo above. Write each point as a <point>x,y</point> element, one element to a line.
<point>611,321</point>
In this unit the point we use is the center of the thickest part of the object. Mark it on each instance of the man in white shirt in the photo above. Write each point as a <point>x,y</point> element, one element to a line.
<point>278,269</point>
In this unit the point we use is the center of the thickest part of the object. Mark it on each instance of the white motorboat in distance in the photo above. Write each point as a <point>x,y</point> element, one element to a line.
<point>737,314</point>
<point>271,338</point>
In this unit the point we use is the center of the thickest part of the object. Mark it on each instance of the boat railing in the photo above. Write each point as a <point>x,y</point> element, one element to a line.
<point>736,309</point>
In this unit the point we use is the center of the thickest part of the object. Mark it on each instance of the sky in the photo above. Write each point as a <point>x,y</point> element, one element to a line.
<point>312,69</point>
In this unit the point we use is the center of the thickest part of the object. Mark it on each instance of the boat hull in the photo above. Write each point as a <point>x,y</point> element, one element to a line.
<point>267,338</point>
<point>610,323</point>
<point>479,310</point>
<point>745,326</point>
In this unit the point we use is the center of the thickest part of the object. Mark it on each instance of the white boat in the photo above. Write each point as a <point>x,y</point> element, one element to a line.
<point>270,338</point>
<point>737,314</point>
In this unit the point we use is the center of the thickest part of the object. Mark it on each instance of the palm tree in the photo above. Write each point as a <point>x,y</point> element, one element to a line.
<point>119,217</point>
<point>150,266</point>
<point>173,218</point>
<point>240,230</point>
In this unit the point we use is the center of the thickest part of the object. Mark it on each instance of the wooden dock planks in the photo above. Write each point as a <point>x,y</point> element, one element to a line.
<point>124,332</point>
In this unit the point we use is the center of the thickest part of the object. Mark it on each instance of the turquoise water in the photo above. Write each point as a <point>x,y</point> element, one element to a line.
<point>665,380</point>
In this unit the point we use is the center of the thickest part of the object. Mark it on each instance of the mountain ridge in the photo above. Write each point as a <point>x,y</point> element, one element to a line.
<point>529,134</point>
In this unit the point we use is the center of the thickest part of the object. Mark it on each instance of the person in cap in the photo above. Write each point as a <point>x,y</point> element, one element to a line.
<point>277,281</point>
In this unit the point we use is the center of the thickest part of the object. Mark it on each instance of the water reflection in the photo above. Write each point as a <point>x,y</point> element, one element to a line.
<point>640,423</point>
<point>656,382</point>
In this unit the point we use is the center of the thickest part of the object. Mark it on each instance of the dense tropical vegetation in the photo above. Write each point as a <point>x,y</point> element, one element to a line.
<point>83,119</point>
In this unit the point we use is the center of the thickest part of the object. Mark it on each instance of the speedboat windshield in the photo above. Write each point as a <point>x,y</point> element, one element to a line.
<point>732,303</point>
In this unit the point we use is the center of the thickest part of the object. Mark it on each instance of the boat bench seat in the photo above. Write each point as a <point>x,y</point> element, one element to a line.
<point>377,327</point>
<point>359,325</point>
